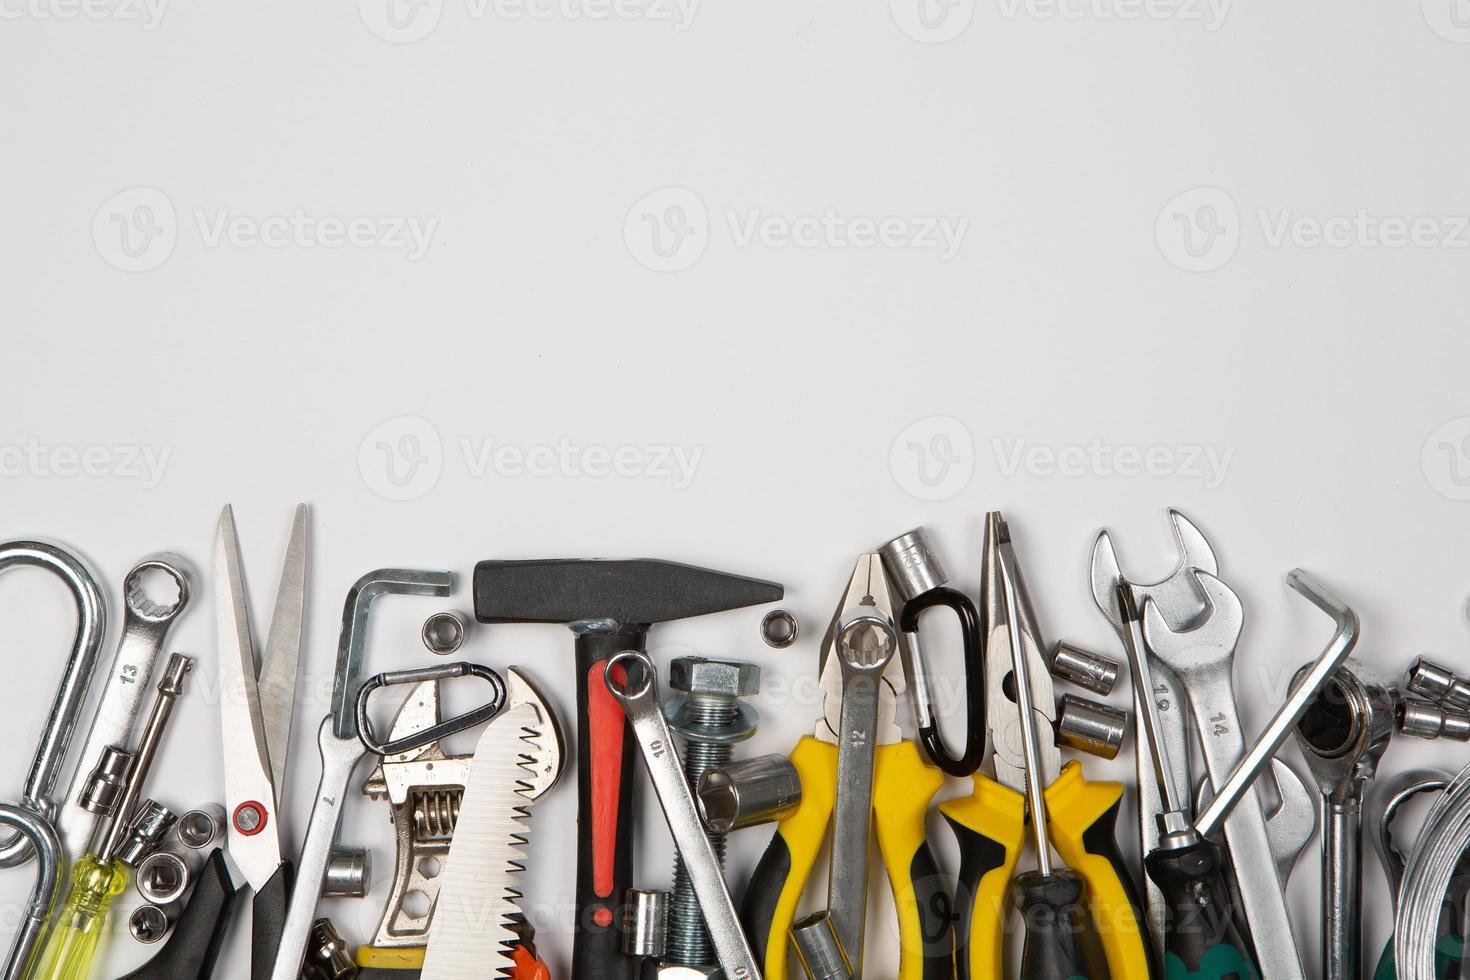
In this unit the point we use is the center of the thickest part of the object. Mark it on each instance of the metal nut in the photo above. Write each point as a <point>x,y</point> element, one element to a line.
<point>727,678</point>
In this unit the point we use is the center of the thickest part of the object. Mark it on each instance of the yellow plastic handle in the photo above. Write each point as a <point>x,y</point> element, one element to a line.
<point>791,855</point>
<point>903,787</point>
<point>990,826</point>
<point>72,946</point>
<point>1083,817</point>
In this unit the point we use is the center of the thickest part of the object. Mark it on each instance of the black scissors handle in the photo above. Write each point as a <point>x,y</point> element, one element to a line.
<point>268,920</point>
<point>969,760</point>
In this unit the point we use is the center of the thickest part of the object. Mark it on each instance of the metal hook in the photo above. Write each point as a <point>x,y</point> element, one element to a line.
<point>71,694</point>
<point>41,839</point>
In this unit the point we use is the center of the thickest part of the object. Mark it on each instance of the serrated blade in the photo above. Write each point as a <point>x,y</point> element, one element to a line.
<point>473,932</point>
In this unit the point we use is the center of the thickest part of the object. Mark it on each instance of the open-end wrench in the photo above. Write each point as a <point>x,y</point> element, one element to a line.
<point>341,751</point>
<point>1203,658</point>
<point>1180,602</point>
<point>1291,826</point>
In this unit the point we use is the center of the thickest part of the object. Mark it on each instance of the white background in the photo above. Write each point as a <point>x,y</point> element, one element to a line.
<point>1132,191</point>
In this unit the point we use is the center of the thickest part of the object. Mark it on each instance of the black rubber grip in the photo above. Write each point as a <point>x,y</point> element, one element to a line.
<point>936,914</point>
<point>192,947</point>
<point>979,855</point>
<point>1200,937</point>
<point>1059,944</point>
<point>1102,839</point>
<point>763,893</point>
<point>268,919</point>
<point>602,879</point>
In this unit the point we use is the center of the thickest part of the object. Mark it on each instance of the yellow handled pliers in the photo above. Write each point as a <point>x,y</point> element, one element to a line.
<point>990,824</point>
<point>904,785</point>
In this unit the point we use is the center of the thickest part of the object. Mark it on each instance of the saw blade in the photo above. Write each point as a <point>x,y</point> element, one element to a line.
<point>473,930</point>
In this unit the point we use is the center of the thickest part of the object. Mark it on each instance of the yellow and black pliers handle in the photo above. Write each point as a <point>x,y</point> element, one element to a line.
<point>990,826</point>
<point>903,786</point>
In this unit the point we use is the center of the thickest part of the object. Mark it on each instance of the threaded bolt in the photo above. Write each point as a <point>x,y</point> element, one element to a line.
<point>711,718</point>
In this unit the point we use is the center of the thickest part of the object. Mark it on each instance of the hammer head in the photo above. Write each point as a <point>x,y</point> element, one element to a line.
<point>634,592</point>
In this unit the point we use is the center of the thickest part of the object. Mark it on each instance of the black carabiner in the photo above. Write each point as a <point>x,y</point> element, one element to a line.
<point>443,729</point>
<point>926,718</point>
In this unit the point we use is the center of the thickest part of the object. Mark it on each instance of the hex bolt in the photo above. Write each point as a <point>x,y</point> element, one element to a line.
<point>711,717</point>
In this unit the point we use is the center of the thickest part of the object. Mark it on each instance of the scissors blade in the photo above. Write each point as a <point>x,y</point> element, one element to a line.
<point>282,651</point>
<point>248,787</point>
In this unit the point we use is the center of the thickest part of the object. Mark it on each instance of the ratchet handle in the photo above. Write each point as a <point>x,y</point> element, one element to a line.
<point>908,621</point>
<point>1083,828</point>
<point>990,828</point>
<point>768,909</point>
<point>193,946</point>
<point>903,787</point>
<point>605,810</point>
<point>268,920</point>
<point>1201,941</point>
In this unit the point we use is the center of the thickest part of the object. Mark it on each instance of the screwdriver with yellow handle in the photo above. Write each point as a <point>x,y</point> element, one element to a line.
<point>1087,919</point>
<point>100,876</point>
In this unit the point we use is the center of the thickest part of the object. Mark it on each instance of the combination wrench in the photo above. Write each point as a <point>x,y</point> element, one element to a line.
<point>146,622</point>
<point>1203,658</point>
<point>638,695</point>
<point>1291,826</point>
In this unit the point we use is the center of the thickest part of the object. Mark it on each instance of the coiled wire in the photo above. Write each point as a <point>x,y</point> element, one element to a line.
<point>1426,883</point>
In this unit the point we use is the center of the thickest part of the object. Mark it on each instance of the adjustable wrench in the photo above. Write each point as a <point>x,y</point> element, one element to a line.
<point>341,750</point>
<point>1180,601</point>
<point>1203,658</point>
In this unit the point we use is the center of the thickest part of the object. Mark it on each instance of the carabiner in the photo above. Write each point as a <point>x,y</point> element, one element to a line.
<point>71,694</point>
<point>41,838</point>
<point>914,566</point>
<point>434,733</point>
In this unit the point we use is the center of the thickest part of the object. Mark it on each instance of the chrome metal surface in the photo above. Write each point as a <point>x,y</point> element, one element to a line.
<point>44,843</point>
<point>748,792</point>
<point>38,794</point>
<point>146,623</point>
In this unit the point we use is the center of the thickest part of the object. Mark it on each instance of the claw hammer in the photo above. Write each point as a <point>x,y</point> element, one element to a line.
<point>610,606</point>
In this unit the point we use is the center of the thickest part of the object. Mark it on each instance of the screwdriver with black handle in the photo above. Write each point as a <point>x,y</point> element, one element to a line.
<point>1059,945</point>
